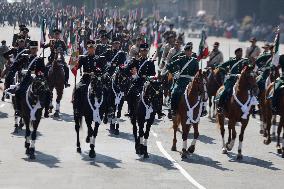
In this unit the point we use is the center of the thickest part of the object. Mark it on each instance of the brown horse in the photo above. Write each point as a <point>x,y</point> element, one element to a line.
<point>55,80</point>
<point>268,115</point>
<point>238,109</point>
<point>215,81</point>
<point>273,75</point>
<point>189,111</point>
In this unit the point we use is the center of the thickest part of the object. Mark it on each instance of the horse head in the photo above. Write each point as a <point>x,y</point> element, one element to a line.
<point>121,78</point>
<point>97,82</point>
<point>153,91</point>
<point>39,88</point>
<point>248,79</point>
<point>199,83</point>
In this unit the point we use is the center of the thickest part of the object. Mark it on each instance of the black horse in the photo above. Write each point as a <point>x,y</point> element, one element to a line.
<point>119,86</point>
<point>89,101</point>
<point>147,107</point>
<point>31,106</point>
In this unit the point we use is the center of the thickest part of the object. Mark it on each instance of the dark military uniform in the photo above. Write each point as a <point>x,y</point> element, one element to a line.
<point>185,68</point>
<point>54,45</point>
<point>278,85</point>
<point>263,62</point>
<point>235,65</point>
<point>19,62</point>
<point>102,48</point>
<point>113,59</point>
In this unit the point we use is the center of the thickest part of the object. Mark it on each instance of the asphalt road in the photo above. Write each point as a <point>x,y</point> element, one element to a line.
<point>58,165</point>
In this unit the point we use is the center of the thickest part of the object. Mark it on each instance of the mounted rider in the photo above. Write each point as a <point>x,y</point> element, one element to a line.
<point>36,65</point>
<point>235,66</point>
<point>56,45</point>
<point>184,67</point>
<point>215,56</point>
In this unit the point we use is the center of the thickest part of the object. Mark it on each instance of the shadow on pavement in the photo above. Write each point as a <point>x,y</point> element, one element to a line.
<point>202,138</point>
<point>3,115</point>
<point>22,133</point>
<point>63,117</point>
<point>44,159</point>
<point>123,135</point>
<point>207,161</point>
<point>253,161</point>
<point>108,161</point>
<point>158,160</point>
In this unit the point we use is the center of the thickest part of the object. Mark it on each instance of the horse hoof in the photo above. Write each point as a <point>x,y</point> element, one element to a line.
<point>228,147</point>
<point>46,114</point>
<point>174,148</point>
<point>88,139</point>
<point>224,151</point>
<point>146,155</point>
<point>264,134</point>
<point>92,154</point>
<point>261,132</point>
<point>116,132</point>
<point>141,149</point>
<point>32,153</point>
<point>184,154</point>
<point>267,141</point>
<point>239,157</point>
<point>279,150</point>
<point>16,130</point>
<point>27,151</point>
<point>56,114</point>
<point>191,149</point>
<point>79,150</point>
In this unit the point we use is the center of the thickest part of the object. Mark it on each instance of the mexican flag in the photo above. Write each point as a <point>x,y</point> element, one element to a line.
<point>275,59</point>
<point>74,58</point>
<point>42,32</point>
<point>203,47</point>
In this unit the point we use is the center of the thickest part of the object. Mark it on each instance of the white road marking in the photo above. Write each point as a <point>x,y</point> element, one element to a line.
<point>2,105</point>
<point>182,171</point>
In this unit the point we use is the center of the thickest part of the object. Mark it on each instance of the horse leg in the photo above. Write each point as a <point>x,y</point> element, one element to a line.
<point>210,105</point>
<point>175,127</point>
<point>185,131</point>
<point>28,138</point>
<point>21,123</point>
<point>241,138</point>
<point>78,122</point>
<point>141,137</point>
<point>281,124</point>
<point>283,143</point>
<point>112,123</point>
<point>51,96</point>
<point>33,138</point>
<point>267,127</point>
<point>274,125</point>
<point>220,121</point>
<point>16,129</point>
<point>59,91</point>
<point>214,109</point>
<point>232,130</point>
<point>146,136</point>
<point>92,153</point>
<point>134,130</point>
<point>191,149</point>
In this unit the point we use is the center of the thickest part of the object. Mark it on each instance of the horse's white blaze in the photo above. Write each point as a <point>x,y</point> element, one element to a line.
<point>240,146</point>
<point>184,144</point>
<point>57,108</point>
<point>193,142</point>
<point>145,142</point>
<point>32,143</point>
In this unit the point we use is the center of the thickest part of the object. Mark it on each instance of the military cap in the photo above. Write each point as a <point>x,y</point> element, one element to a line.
<point>238,50</point>
<point>188,46</point>
<point>144,46</point>
<point>33,44</point>
<point>56,30</point>
<point>90,43</point>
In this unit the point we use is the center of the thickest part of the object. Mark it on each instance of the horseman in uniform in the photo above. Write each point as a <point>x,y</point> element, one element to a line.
<point>55,45</point>
<point>17,61</point>
<point>114,57</point>
<point>184,67</point>
<point>235,65</point>
<point>253,51</point>
<point>215,57</point>
<point>140,69</point>
<point>103,45</point>
<point>36,65</point>
<point>134,50</point>
<point>166,48</point>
